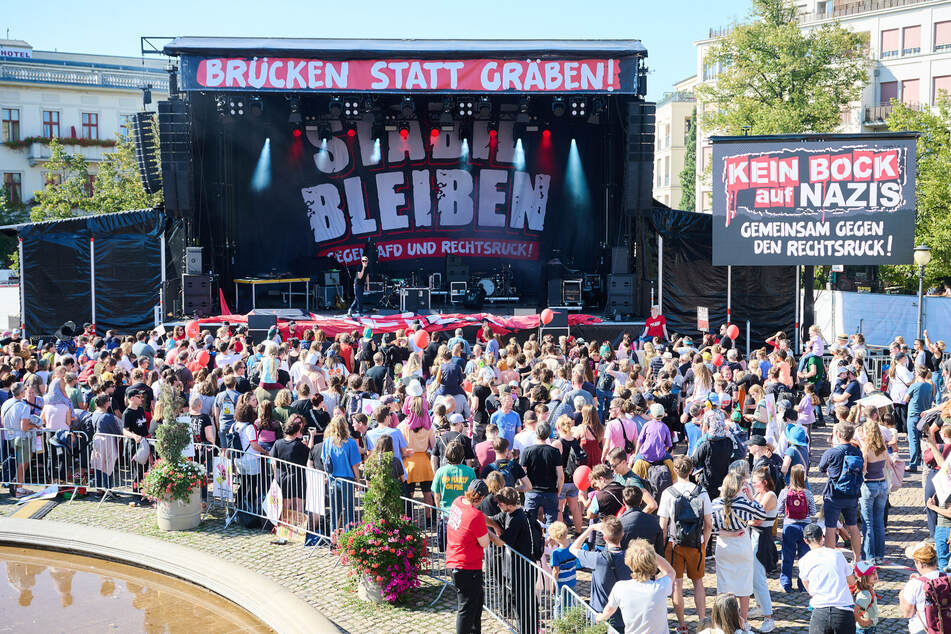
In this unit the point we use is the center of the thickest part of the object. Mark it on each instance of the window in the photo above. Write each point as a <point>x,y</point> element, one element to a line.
<point>889,92</point>
<point>14,186</point>
<point>11,124</point>
<point>667,135</point>
<point>90,125</point>
<point>891,44</point>
<point>942,35</point>
<point>912,40</point>
<point>50,124</point>
<point>942,84</point>
<point>705,201</point>
<point>687,130</point>
<point>826,7</point>
<point>125,125</point>
<point>52,178</point>
<point>706,157</point>
<point>89,187</point>
<point>657,174</point>
<point>910,92</point>
<point>667,172</point>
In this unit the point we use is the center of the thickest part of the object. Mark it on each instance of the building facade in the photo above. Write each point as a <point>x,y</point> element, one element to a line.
<point>910,50</point>
<point>86,101</point>
<point>672,124</point>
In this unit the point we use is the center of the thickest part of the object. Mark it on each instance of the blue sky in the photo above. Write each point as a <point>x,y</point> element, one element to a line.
<point>667,28</point>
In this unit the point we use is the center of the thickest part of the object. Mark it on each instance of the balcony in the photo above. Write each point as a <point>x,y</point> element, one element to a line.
<point>40,152</point>
<point>877,115</point>
<point>679,97</point>
<point>82,76</point>
<point>855,7</point>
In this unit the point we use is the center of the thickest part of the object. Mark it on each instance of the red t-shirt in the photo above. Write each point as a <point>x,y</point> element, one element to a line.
<point>466,525</point>
<point>655,326</point>
<point>346,351</point>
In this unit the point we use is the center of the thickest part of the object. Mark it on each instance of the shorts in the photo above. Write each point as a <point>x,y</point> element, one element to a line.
<point>568,490</point>
<point>685,560</point>
<point>848,507</point>
<point>410,487</point>
<point>23,447</point>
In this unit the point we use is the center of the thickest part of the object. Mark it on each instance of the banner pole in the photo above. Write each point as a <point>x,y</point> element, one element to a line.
<point>660,273</point>
<point>22,289</point>
<point>796,315</point>
<point>162,285</point>
<point>729,292</point>
<point>92,280</point>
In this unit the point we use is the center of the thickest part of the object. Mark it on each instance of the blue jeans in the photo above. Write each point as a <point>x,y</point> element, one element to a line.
<point>914,442</point>
<point>872,503</point>
<point>604,399</point>
<point>341,503</point>
<point>794,547</point>
<point>101,480</point>
<point>357,305</point>
<point>547,502</point>
<point>941,534</point>
<point>760,589</point>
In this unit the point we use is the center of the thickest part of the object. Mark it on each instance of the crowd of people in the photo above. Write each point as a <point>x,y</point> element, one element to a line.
<point>643,459</point>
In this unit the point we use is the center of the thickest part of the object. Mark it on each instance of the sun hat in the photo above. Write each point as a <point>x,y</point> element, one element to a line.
<point>414,389</point>
<point>922,551</point>
<point>657,411</point>
<point>796,435</point>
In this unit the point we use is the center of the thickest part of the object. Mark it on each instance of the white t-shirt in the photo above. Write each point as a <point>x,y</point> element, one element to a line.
<point>222,360</point>
<point>665,507</point>
<point>643,604</point>
<point>525,439</point>
<point>826,571</point>
<point>914,593</point>
<point>248,465</point>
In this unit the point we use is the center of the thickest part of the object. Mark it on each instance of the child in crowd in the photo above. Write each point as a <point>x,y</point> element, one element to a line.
<point>563,563</point>
<point>866,601</point>
<point>815,347</point>
<point>797,505</point>
<point>806,409</point>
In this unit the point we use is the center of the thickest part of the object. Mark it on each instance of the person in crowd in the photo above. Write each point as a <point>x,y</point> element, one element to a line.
<point>844,464</point>
<point>543,466</point>
<point>291,456</point>
<point>607,566</point>
<point>764,548</point>
<point>827,577</point>
<point>451,481</point>
<point>642,599</point>
<point>341,459</point>
<point>874,493</point>
<point>918,399</point>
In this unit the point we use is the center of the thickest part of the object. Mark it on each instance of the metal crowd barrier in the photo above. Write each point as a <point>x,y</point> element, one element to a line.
<point>44,457</point>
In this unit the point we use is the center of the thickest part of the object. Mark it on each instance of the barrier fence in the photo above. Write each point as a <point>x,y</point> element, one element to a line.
<point>301,502</point>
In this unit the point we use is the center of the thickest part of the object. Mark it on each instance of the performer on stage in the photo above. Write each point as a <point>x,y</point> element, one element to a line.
<point>361,282</point>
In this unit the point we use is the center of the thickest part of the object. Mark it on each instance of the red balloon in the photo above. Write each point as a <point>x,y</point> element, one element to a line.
<point>192,329</point>
<point>717,360</point>
<point>582,477</point>
<point>421,339</point>
<point>547,316</point>
<point>733,331</point>
<point>203,357</point>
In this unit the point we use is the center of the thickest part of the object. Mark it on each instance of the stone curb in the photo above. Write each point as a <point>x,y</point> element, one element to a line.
<point>279,609</point>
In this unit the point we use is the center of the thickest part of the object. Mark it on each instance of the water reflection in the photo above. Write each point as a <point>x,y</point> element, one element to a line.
<point>60,592</point>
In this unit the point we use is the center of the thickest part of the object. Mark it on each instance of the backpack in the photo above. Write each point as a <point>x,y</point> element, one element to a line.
<point>628,444</point>
<point>233,437</point>
<point>538,539</point>
<point>577,456</point>
<point>797,505</point>
<point>504,467</point>
<point>936,616</point>
<point>849,482</point>
<point>354,405</point>
<point>658,475</point>
<point>688,518</point>
<point>606,382</point>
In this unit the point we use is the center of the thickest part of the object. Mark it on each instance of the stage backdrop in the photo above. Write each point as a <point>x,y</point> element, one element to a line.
<point>838,199</point>
<point>508,198</point>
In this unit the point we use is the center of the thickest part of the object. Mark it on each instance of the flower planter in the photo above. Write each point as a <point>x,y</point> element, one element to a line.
<point>369,590</point>
<point>180,516</point>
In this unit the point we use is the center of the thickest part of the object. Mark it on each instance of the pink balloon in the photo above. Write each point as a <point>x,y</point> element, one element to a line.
<point>732,331</point>
<point>203,357</point>
<point>582,477</point>
<point>547,316</point>
<point>421,339</point>
<point>192,329</point>
<point>717,360</point>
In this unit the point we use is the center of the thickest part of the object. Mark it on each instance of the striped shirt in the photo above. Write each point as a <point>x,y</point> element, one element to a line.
<point>742,510</point>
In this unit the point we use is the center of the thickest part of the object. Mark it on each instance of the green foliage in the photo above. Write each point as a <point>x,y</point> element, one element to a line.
<point>386,553</point>
<point>382,498</point>
<point>173,480</point>
<point>775,78</point>
<point>933,190</point>
<point>30,140</point>
<point>62,200</point>
<point>575,621</point>
<point>688,175</point>
<point>118,187</point>
<point>11,214</point>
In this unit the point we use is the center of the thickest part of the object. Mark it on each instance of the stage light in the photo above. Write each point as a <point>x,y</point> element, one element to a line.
<point>546,134</point>
<point>221,105</point>
<point>293,104</point>
<point>351,132</point>
<point>464,107</point>
<point>404,131</point>
<point>335,107</point>
<point>297,132</point>
<point>434,132</point>
<point>407,107</point>
<point>236,106</point>
<point>577,107</point>
<point>323,131</point>
<point>255,106</point>
<point>493,134</point>
<point>519,158</point>
<point>598,105</point>
<point>576,185</point>
<point>351,107</point>
<point>261,179</point>
<point>558,106</point>
<point>484,107</point>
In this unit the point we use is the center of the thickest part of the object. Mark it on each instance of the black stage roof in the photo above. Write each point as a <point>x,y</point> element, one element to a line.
<point>369,48</point>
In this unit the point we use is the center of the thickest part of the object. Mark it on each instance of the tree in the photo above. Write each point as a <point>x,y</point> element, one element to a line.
<point>688,175</point>
<point>118,187</point>
<point>10,214</point>
<point>776,78</point>
<point>64,198</point>
<point>932,188</point>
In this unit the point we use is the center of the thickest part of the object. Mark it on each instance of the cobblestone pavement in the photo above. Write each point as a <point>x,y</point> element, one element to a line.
<point>312,573</point>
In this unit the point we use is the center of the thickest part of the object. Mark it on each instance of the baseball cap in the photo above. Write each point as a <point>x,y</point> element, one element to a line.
<point>657,410</point>
<point>478,487</point>
<point>713,399</point>
<point>457,418</point>
<point>667,355</point>
<point>813,532</point>
<point>922,551</point>
<point>864,568</point>
<point>758,440</point>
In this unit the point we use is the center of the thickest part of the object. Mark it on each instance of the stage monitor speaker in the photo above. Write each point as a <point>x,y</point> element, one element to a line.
<point>414,300</point>
<point>457,273</point>
<point>559,319</point>
<point>475,297</point>
<point>193,263</point>
<point>620,260</point>
<point>146,152</point>
<point>554,292</point>
<point>261,322</point>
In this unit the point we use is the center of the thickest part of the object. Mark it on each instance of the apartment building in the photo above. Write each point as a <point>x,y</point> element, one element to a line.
<point>86,101</point>
<point>910,48</point>
<point>672,124</point>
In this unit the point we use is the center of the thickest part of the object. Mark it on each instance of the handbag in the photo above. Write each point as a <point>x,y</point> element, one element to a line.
<point>143,452</point>
<point>894,473</point>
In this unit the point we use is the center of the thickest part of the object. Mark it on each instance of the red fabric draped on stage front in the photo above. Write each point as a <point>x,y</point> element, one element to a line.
<point>380,324</point>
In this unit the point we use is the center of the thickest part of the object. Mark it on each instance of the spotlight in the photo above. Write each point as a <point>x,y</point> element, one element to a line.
<point>351,132</point>
<point>407,107</point>
<point>524,110</point>
<point>236,106</point>
<point>558,106</point>
<point>577,107</point>
<point>598,105</point>
<point>296,132</point>
<point>351,107</point>
<point>434,133</point>
<point>294,118</point>
<point>464,107</point>
<point>546,134</point>
<point>484,107</point>
<point>404,131</point>
<point>493,130</point>
<point>221,105</point>
<point>335,107</point>
<point>323,131</point>
<point>255,106</point>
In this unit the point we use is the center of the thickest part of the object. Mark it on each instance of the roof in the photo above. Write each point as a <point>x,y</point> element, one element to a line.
<point>66,222</point>
<point>368,48</point>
